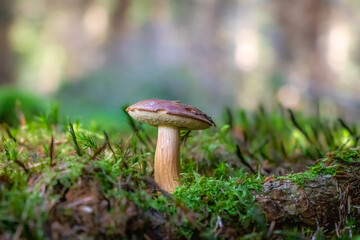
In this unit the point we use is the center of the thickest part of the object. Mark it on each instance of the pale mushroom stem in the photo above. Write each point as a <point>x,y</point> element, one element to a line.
<point>167,158</point>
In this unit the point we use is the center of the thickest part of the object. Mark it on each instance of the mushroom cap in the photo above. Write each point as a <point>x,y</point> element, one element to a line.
<point>157,112</point>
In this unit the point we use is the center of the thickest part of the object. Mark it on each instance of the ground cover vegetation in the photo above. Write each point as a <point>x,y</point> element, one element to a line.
<point>60,180</point>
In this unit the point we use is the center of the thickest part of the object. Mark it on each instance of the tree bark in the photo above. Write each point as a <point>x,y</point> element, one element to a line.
<point>300,51</point>
<point>326,202</point>
<point>6,63</point>
<point>118,20</point>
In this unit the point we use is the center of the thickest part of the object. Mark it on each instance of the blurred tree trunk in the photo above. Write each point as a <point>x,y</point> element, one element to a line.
<point>117,45</point>
<point>207,53</point>
<point>6,63</point>
<point>118,20</point>
<point>301,53</point>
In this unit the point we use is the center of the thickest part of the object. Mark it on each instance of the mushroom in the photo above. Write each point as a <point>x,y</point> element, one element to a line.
<point>170,117</point>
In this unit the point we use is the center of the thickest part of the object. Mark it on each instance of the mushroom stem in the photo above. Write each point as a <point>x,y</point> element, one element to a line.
<point>167,158</point>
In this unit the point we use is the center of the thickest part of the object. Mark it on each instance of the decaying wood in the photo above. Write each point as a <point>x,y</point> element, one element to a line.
<point>323,203</point>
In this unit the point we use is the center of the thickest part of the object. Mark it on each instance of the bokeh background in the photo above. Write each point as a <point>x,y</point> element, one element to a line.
<point>91,57</point>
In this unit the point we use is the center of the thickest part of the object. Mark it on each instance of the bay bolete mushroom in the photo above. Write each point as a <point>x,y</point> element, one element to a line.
<point>170,117</point>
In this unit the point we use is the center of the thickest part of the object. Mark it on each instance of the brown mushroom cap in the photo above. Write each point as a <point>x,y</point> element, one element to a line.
<point>157,112</point>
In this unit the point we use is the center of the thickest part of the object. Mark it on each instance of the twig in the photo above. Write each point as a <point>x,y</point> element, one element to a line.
<point>271,229</point>
<point>21,165</point>
<point>152,182</point>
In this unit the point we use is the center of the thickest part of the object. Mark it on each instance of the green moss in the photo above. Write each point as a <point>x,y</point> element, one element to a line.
<point>349,155</point>
<point>231,200</point>
<point>216,188</point>
<point>20,207</point>
<point>311,174</point>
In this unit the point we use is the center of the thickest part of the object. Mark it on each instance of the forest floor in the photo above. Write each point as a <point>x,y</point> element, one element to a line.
<point>261,175</point>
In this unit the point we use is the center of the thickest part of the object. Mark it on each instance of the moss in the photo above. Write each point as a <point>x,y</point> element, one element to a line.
<point>217,197</point>
<point>312,173</point>
<point>349,155</point>
<point>327,166</point>
<point>230,200</point>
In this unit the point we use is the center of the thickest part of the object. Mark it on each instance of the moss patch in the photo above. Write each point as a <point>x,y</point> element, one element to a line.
<point>312,173</point>
<point>95,184</point>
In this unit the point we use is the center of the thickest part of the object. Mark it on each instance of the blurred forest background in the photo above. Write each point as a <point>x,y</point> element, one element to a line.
<point>93,56</point>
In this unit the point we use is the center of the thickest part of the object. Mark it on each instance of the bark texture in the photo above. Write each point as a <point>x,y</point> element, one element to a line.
<point>325,202</point>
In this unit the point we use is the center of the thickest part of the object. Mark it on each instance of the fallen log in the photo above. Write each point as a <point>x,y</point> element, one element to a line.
<point>325,202</point>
